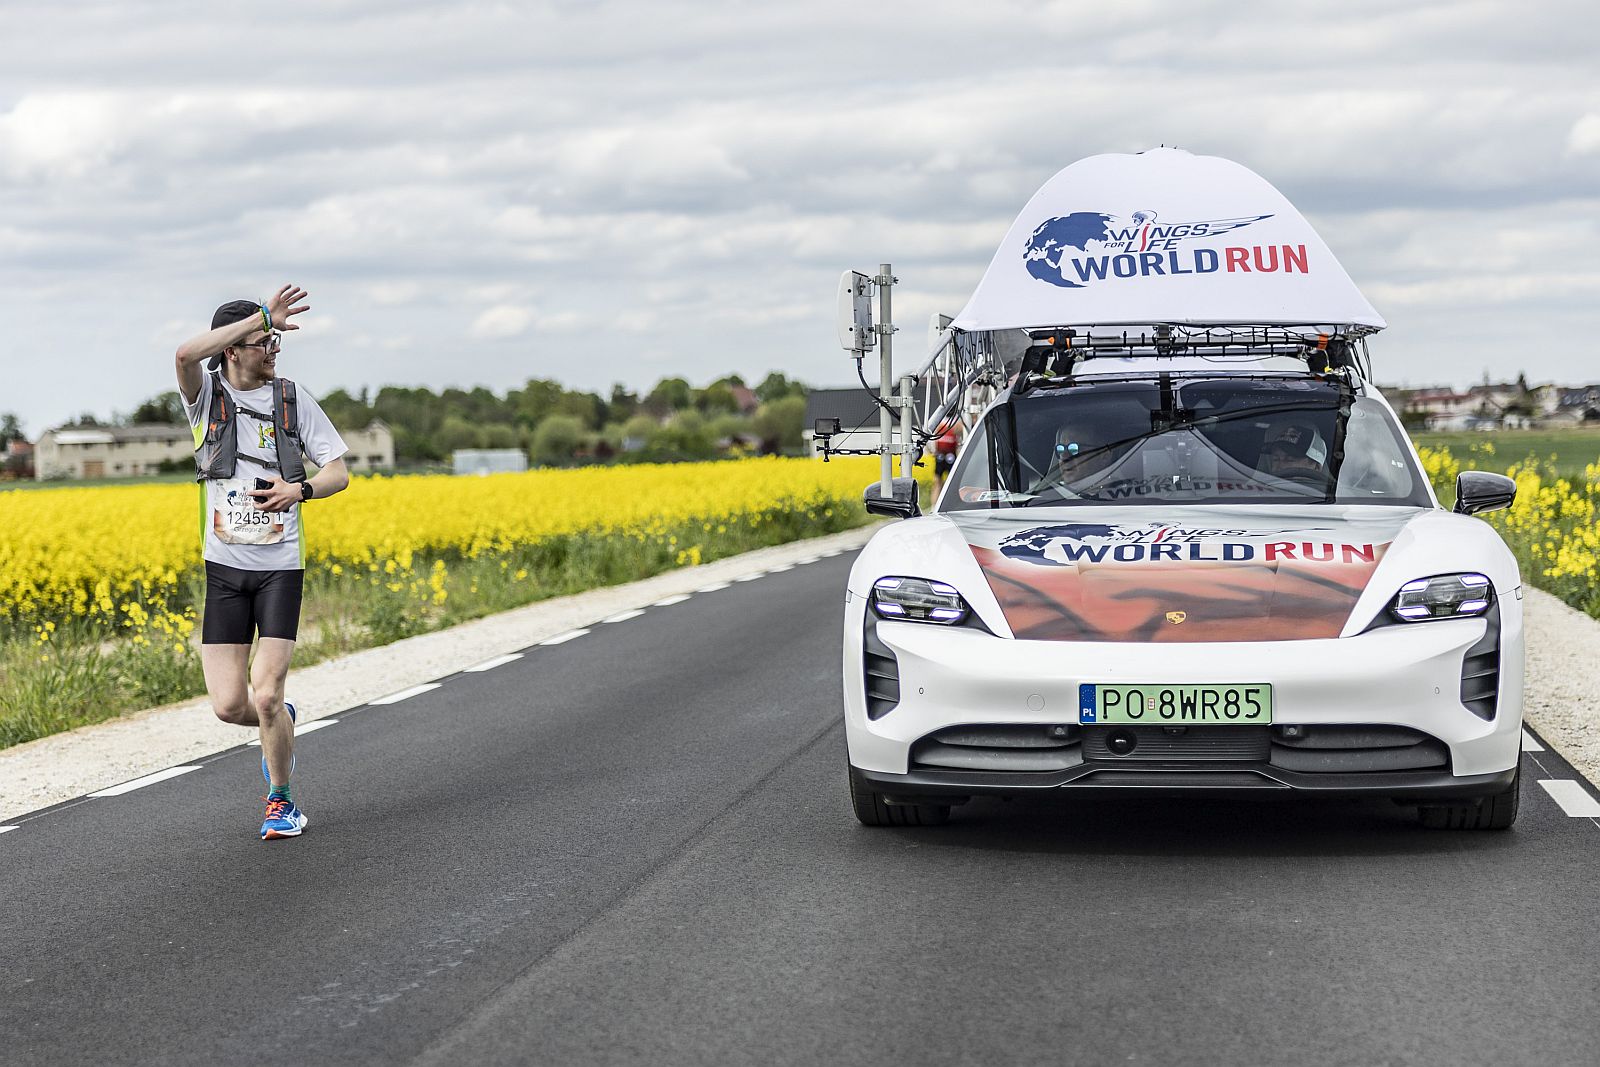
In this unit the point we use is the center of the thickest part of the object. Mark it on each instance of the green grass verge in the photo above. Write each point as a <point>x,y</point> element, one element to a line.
<point>71,678</point>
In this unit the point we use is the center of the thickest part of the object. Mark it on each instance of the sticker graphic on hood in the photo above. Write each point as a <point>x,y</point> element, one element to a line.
<point>1169,582</point>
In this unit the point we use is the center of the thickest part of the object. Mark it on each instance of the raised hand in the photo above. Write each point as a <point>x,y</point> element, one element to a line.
<point>281,306</point>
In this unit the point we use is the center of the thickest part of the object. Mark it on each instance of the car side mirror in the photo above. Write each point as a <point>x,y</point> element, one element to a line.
<point>902,503</point>
<point>1481,491</point>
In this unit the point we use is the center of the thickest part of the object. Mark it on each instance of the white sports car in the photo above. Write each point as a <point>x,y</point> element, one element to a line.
<point>1172,563</point>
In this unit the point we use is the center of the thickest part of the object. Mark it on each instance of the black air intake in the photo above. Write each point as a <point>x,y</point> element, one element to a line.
<point>1480,668</point>
<point>882,671</point>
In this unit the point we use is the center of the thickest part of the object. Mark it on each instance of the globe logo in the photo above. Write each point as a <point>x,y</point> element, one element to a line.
<point>1055,236</point>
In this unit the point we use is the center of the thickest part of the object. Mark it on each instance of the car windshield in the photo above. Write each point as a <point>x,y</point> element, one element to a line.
<point>1231,440</point>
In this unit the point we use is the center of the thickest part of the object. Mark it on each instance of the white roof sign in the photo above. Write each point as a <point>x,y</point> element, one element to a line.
<point>1163,236</point>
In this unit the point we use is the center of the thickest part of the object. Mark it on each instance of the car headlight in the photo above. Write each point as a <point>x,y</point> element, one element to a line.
<point>918,600</point>
<point>1444,596</point>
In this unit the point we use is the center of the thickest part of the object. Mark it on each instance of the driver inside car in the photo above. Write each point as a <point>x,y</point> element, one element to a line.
<point>1294,450</point>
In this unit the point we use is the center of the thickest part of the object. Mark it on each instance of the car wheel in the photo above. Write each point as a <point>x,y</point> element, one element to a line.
<point>1495,812</point>
<point>873,810</point>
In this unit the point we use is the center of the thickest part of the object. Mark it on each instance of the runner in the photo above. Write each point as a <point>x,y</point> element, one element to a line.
<point>253,431</point>
<point>946,443</point>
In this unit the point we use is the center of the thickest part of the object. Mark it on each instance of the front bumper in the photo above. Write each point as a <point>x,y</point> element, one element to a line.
<point>1401,676</point>
<point>946,786</point>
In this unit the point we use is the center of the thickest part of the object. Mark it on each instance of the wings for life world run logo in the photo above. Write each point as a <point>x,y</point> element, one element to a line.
<point>1077,250</point>
<point>1069,544</point>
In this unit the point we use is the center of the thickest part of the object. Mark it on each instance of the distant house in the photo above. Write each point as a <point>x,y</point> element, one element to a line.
<point>109,451</point>
<point>370,449</point>
<point>856,412</point>
<point>133,451</point>
<point>18,459</point>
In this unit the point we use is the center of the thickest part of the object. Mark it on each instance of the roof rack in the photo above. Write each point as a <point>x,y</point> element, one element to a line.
<point>1054,353</point>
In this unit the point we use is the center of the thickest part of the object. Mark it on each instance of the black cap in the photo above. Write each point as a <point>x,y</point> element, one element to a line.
<point>229,313</point>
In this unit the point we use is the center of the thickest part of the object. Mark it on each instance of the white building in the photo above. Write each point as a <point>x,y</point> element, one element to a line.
<point>135,451</point>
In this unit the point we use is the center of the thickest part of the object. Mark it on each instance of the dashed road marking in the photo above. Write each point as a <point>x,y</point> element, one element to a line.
<point>751,577</point>
<point>1529,744</point>
<point>140,783</point>
<point>780,568</point>
<point>808,559</point>
<point>1573,797</point>
<point>303,728</point>
<point>624,616</point>
<point>713,587</point>
<point>491,664</point>
<point>407,694</point>
<point>4,829</point>
<point>667,602</point>
<point>561,639</point>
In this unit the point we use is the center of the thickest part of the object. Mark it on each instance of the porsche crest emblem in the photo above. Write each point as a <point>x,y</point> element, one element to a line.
<point>1176,617</point>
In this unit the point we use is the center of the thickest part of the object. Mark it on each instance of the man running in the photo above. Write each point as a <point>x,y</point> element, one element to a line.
<point>253,431</point>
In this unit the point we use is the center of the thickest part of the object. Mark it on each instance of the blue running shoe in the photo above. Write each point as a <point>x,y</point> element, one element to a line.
<point>293,715</point>
<point>283,819</point>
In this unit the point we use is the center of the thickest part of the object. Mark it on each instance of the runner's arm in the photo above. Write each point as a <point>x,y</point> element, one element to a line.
<point>330,479</point>
<point>197,350</point>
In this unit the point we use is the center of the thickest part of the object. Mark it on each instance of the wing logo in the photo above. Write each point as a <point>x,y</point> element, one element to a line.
<point>1074,251</point>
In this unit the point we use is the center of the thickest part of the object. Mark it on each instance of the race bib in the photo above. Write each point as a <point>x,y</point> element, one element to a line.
<point>236,520</point>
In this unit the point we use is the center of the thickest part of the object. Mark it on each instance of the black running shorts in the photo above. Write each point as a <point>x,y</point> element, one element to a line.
<point>240,604</point>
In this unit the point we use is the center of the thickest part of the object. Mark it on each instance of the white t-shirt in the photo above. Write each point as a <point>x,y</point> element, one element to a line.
<point>236,533</point>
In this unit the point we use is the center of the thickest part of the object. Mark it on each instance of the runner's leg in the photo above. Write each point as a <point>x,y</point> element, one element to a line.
<point>225,667</point>
<point>225,634</point>
<point>268,674</point>
<point>277,620</point>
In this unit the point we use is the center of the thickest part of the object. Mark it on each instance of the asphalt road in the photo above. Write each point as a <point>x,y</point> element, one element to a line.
<point>635,847</point>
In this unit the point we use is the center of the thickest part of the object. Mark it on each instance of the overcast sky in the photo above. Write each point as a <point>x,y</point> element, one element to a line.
<point>479,193</point>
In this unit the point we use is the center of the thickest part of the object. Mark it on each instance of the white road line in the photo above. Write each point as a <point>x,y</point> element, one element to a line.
<point>808,559</point>
<point>407,694</point>
<point>780,568</point>
<point>671,600</point>
<point>713,588</point>
<point>4,829</point>
<point>303,728</point>
<point>751,577</point>
<point>140,783</point>
<point>1529,744</point>
<point>624,616</point>
<point>1573,798</point>
<point>561,639</point>
<point>491,664</point>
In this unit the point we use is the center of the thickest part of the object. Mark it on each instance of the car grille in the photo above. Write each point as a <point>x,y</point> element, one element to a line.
<point>1178,743</point>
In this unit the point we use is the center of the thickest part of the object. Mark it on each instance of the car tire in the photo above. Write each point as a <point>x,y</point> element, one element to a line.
<point>873,810</point>
<point>1496,812</point>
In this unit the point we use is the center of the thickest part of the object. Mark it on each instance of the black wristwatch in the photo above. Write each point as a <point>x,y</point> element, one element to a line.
<point>306,491</point>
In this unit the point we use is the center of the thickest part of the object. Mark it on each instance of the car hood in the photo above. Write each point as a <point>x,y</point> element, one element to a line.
<point>1140,574</point>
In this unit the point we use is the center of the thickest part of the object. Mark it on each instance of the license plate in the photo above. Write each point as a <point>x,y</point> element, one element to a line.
<point>1240,705</point>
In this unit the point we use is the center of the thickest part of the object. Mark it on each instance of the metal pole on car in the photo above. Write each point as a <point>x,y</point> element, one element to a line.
<point>885,280</point>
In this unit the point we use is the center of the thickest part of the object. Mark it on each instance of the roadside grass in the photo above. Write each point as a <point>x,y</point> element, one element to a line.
<point>59,677</point>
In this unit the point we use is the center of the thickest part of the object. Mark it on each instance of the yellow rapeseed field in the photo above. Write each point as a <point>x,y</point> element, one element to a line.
<point>1550,526</point>
<point>117,555</point>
